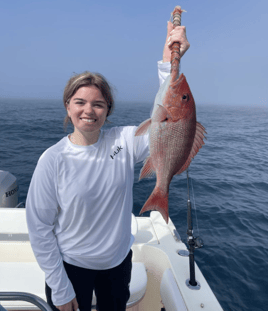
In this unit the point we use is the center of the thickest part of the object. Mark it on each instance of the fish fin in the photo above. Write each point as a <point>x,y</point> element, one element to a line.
<point>158,201</point>
<point>197,144</point>
<point>161,114</point>
<point>200,134</point>
<point>143,127</point>
<point>148,169</point>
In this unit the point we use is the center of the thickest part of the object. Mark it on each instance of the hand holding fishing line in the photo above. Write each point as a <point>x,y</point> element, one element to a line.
<point>178,34</point>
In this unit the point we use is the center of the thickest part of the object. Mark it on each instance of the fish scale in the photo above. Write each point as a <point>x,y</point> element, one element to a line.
<point>172,138</point>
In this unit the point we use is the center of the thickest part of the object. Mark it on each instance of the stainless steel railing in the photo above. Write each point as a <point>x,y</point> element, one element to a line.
<point>39,302</point>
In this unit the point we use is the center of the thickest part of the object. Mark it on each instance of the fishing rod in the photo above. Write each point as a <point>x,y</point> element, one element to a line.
<point>192,242</point>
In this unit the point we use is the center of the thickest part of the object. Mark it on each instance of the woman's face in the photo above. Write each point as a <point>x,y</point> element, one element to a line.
<point>87,110</point>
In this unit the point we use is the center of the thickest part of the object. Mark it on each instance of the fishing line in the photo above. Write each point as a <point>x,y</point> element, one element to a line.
<point>195,208</point>
<point>193,198</point>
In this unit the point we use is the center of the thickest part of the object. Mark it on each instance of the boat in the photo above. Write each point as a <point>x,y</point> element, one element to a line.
<point>160,273</point>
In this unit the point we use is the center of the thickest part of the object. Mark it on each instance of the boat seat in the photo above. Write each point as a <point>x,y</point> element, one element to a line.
<point>30,278</point>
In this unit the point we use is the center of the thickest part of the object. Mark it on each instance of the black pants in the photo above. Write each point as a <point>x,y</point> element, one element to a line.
<point>111,286</point>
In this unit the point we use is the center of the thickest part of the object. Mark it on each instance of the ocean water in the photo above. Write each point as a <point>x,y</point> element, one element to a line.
<point>228,177</point>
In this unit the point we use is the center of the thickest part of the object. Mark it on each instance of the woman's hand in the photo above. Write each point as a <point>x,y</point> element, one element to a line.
<point>177,34</point>
<point>69,306</point>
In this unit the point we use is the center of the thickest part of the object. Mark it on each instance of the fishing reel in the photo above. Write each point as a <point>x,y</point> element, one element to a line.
<point>198,242</point>
<point>194,242</point>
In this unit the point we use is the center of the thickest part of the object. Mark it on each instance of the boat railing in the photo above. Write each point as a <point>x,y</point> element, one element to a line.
<point>39,302</point>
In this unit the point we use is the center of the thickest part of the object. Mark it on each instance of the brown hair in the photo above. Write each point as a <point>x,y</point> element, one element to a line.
<point>87,79</point>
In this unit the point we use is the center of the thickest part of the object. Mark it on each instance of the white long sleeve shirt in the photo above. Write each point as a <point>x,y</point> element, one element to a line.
<point>79,204</point>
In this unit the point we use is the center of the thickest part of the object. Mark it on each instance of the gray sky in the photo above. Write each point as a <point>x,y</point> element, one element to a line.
<point>44,42</point>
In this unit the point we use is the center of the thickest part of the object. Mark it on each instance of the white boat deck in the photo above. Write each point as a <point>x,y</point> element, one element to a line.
<point>156,246</point>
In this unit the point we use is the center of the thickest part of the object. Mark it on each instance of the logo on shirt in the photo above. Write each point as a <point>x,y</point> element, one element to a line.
<point>116,152</point>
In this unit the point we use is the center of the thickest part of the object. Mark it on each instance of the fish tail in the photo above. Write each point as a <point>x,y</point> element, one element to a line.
<point>158,201</point>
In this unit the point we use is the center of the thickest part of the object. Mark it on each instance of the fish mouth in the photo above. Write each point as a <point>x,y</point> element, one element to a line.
<point>177,83</point>
<point>181,77</point>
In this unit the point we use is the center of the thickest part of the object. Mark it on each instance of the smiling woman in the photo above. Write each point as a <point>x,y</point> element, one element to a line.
<point>79,201</point>
<point>89,101</point>
<point>88,111</point>
<point>88,79</point>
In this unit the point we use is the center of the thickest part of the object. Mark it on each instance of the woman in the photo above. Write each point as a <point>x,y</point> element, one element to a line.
<point>79,202</point>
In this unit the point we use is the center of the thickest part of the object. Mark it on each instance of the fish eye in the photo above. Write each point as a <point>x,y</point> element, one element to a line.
<point>185,97</point>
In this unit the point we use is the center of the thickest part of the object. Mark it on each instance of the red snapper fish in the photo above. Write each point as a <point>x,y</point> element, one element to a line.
<point>175,138</point>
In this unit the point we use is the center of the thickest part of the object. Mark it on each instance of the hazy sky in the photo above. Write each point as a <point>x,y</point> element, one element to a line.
<point>44,42</point>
